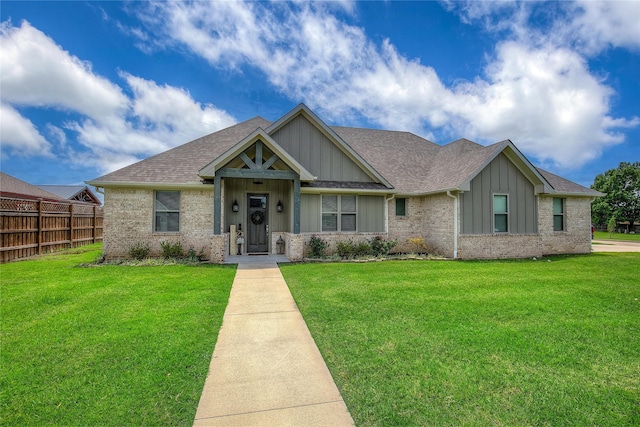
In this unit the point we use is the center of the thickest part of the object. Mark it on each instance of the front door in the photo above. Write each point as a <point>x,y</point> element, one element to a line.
<point>258,220</point>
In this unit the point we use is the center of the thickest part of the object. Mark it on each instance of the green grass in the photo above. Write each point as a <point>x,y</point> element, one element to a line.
<point>492,343</point>
<point>108,345</point>
<point>604,235</point>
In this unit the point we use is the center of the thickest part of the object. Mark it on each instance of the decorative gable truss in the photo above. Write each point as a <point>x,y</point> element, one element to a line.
<point>247,160</point>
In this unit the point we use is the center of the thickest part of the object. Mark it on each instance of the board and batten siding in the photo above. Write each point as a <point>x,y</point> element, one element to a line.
<point>317,153</point>
<point>369,216</point>
<point>500,176</point>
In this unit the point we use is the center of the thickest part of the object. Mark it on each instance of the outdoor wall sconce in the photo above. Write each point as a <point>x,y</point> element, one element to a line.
<point>234,206</point>
<point>279,206</point>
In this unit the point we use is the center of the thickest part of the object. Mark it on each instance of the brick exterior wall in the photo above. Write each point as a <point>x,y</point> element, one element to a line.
<point>438,224</point>
<point>429,217</point>
<point>219,247</point>
<point>489,246</point>
<point>128,219</point>
<point>576,239</point>
<point>411,225</point>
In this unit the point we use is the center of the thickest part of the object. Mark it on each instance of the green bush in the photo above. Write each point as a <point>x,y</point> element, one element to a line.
<point>172,250</point>
<point>349,249</point>
<point>381,247</point>
<point>345,250</point>
<point>139,250</point>
<point>318,246</point>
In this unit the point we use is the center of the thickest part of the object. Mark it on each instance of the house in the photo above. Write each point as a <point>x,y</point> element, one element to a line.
<point>75,193</point>
<point>296,177</point>
<point>12,187</point>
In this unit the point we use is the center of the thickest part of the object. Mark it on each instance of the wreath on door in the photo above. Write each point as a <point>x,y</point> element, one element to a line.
<point>257,217</point>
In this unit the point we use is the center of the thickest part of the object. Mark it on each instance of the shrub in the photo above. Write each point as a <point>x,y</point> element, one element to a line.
<point>381,247</point>
<point>191,256</point>
<point>318,246</point>
<point>345,250</point>
<point>172,250</point>
<point>349,249</point>
<point>362,249</point>
<point>418,244</point>
<point>139,250</point>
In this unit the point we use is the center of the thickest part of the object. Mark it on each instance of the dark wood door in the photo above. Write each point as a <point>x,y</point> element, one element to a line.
<point>258,223</point>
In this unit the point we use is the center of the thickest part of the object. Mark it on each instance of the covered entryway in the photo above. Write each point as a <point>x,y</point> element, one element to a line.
<point>256,193</point>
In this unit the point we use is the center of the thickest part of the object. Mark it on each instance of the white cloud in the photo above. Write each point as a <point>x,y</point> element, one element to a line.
<point>589,26</point>
<point>114,130</point>
<point>38,72</point>
<point>539,94</point>
<point>546,100</point>
<point>601,24</point>
<point>19,136</point>
<point>167,110</point>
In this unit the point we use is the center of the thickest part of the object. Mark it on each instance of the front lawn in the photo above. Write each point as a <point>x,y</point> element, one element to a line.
<point>604,235</point>
<point>108,345</point>
<point>530,342</point>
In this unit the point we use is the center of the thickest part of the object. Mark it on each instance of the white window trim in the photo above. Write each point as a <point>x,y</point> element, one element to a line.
<point>339,212</point>
<point>494,213</point>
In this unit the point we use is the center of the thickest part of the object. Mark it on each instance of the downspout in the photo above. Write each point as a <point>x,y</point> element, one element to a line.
<point>386,213</point>
<point>455,223</point>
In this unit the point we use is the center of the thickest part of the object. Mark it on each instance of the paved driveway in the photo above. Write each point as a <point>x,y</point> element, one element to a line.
<point>615,246</point>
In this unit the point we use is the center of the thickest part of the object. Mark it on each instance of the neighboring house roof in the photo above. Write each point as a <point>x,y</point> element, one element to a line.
<point>13,187</point>
<point>80,193</point>
<point>402,162</point>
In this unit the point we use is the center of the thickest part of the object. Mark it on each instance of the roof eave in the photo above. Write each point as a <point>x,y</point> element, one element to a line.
<point>150,185</point>
<point>326,190</point>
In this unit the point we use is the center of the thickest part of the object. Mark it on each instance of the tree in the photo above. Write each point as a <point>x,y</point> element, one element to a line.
<point>611,226</point>
<point>622,199</point>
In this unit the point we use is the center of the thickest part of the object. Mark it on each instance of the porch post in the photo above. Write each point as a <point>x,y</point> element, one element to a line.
<point>217,201</point>
<point>296,205</point>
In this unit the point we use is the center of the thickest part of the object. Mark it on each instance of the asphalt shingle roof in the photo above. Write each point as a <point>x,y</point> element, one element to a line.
<point>14,187</point>
<point>180,165</point>
<point>413,165</point>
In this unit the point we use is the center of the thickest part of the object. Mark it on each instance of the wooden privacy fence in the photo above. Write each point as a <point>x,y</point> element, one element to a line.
<point>33,227</point>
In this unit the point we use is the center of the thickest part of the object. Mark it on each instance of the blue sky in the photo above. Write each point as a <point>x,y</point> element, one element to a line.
<point>89,87</point>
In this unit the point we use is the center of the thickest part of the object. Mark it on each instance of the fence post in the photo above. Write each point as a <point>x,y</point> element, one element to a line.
<point>71,205</point>
<point>95,224</point>
<point>39,226</point>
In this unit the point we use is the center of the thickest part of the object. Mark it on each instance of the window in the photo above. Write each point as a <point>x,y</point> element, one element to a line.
<point>558,214</point>
<point>401,207</point>
<point>500,213</point>
<point>167,211</point>
<point>338,213</point>
<point>348,213</point>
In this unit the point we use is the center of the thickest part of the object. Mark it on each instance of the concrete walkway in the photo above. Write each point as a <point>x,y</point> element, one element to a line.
<point>266,369</point>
